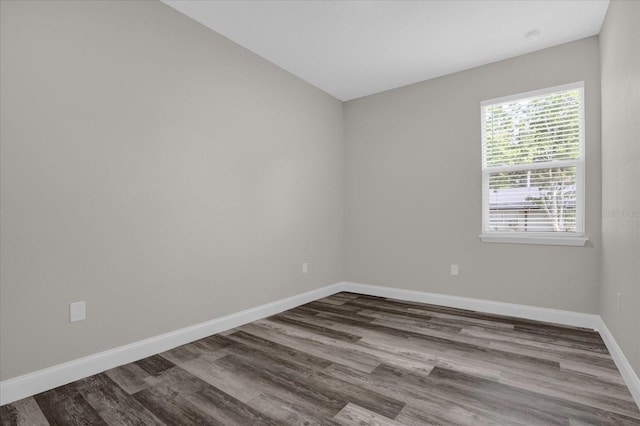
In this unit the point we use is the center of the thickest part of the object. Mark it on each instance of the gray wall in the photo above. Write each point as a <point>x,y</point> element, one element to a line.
<point>413,187</point>
<point>157,171</point>
<point>620,61</point>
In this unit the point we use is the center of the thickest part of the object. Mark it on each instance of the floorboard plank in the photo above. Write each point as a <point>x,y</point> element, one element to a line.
<point>317,384</point>
<point>129,377</point>
<point>155,364</point>
<point>113,404</point>
<point>65,406</point>
<point>352,414</point>
<point>173,409</point>
<point>24,412</point>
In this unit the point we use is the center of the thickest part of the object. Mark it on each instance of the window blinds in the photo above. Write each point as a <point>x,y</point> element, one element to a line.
<point>533,152</point>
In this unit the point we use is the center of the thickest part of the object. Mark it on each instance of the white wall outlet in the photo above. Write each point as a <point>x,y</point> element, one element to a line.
<point>305,268</point>
<point>618,302</point>
<point>454,270</point>
<point>76,311</point>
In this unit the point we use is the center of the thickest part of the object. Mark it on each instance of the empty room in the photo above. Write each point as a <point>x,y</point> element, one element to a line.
<point>319,212</point>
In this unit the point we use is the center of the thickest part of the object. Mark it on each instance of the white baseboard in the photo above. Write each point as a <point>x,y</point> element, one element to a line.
<point>576,319</point>
<point>58,375</point>
<point>630,377</point>
<point>49,378</point>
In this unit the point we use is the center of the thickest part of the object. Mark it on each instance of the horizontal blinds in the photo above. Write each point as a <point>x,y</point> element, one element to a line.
<point>532,162</point>
<point>536,200</point>
<point>532,130</point>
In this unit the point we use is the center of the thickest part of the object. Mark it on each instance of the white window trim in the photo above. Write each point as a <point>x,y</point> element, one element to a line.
<point>546,238</point>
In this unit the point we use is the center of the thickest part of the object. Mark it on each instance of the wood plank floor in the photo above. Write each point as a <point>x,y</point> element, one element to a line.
<point>356,360</point>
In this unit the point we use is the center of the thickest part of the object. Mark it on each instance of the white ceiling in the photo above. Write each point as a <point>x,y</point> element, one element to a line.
<point>352,49</point>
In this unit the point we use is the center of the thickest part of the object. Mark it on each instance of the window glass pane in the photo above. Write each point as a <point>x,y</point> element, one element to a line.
<point>535,200</point>
<point>539,129</point>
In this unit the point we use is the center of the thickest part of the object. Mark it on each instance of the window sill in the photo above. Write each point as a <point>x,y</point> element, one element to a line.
<point>548,240</point>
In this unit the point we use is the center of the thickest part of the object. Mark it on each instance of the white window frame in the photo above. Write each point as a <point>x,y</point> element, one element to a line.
<point>577,238</point>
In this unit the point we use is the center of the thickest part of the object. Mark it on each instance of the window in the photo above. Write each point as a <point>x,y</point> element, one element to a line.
<point>533,167</point>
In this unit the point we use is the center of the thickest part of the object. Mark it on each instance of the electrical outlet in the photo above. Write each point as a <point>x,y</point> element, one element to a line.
<point>305,268</point>
<point>454,270</point>
<point>77,312</point>
<point>618,302</point>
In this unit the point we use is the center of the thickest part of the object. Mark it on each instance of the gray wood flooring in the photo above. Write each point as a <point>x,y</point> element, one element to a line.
<point>356,360</point>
